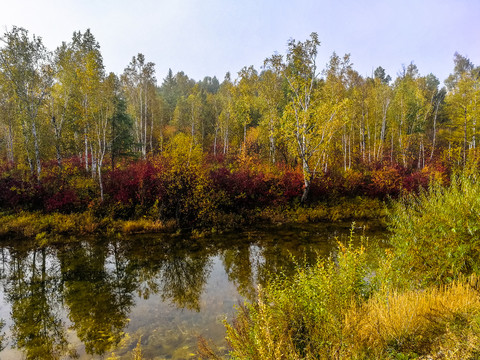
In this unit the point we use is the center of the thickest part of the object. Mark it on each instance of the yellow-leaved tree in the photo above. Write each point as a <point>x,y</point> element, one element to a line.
<point>311,116</point>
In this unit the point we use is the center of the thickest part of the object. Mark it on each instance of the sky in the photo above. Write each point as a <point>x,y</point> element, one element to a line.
<point>213,37</point>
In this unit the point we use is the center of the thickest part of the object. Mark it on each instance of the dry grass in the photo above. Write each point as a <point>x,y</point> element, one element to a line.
<point>35,224</point>
<point>142,226</point>
<point>423,322</point>
<point>31,224</point>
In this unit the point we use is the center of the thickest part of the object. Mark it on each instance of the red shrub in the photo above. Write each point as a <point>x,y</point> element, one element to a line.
<point>243,189</point>
<point>386,181</point>
<point>290,185</point>
<point>64,200</point>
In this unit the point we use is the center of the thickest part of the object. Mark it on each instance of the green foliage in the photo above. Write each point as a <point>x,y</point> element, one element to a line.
<point>122,139</point>
<point>436,233</point>
<point>302,316</point>
<point>2,336</point>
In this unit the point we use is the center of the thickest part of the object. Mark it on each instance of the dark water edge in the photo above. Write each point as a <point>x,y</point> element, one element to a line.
<point>87,297</point>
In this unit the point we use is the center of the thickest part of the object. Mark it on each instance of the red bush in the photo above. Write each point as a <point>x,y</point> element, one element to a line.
<point>64,200</point>
<point>387,181</point>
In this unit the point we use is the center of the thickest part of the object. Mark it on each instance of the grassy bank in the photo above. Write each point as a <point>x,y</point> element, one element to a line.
<point>419,300</point>
<point>42,226</point>
<point>47,225</point>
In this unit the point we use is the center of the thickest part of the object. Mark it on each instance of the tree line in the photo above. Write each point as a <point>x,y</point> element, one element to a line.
<point>61,104</point>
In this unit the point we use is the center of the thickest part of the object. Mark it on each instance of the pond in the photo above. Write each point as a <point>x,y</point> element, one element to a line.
<point>85,298</point>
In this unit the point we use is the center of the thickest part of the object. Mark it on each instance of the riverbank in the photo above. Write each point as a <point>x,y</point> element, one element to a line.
<point>44,226</point>
<point>418,298</point>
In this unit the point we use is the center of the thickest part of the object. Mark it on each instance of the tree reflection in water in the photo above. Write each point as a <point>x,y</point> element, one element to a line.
<point>183,279</point>
<point>99,297</point>
<point>169,269</point>
<point>91,287</point>
<point>33,289</point>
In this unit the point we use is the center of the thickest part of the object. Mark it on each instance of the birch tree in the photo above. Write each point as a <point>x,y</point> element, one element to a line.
<point>462,101</point>
<point>138,79</point>
<point>89,72</point>
<point>309,116</point>
<point>26,64</point>
<point>224,125</point>
<point>62,98</point>
<point>271,100</point>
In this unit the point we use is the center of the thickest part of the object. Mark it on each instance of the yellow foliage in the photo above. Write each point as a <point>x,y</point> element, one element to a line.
<point>142,225</point>
<point>413,321</point>
<point>137,352</point>
<point>182,150</point>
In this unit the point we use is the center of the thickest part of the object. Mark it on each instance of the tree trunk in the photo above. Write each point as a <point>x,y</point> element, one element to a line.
<point>100,182</point>
<point>215,142</point>
<point>272,142</point>
<point>145,128</point>
<point>362,136</point>
<point>94,161</point>
<point>151,133</point>
<point>86,148</point>
<point>383,131</point>
<point>307,179</point>
<point>10,154</point>
<point>57,142</point>
<point>37,149</point>
<point>434,130</point>
<point>465,140</point>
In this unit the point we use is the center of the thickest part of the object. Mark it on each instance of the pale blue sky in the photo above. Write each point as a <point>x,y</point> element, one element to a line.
<point>211,37</point>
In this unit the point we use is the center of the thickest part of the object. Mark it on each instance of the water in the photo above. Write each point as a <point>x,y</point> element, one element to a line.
<point>86,298</point>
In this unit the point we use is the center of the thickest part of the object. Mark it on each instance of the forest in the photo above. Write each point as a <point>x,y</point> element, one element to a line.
<point>74,139</point>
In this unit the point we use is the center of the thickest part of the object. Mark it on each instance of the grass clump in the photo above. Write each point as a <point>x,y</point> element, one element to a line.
<point>416,322</point>
<point>142,226</point>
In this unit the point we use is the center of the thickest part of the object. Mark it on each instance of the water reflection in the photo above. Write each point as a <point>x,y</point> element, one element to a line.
<point>183,280</point>
<point>240,266</point>
<point>81,298</point>
<point>97,289</point>
<point>33,290</point>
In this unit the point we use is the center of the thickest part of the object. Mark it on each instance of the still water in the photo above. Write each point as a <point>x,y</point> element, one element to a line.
<point>86,298</point>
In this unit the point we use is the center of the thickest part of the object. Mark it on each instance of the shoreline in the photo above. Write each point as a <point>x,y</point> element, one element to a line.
<point>45,226</point>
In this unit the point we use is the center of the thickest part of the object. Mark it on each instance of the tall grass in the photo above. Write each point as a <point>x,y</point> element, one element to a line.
<point>331,311</point>
<point>416,322</point>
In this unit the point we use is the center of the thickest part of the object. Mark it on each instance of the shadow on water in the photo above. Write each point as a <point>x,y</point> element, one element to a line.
<point>89,297</point>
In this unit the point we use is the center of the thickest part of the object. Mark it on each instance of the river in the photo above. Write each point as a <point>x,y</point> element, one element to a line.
<point>84,298</point>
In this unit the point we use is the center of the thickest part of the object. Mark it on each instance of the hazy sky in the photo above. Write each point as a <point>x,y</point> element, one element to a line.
<point>211,37</point>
